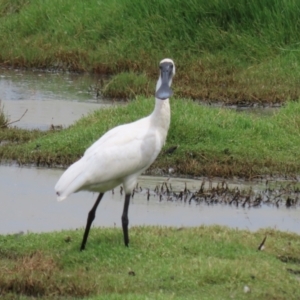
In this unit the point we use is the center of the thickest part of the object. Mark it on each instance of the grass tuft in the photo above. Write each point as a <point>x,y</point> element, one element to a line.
<point>128,85</point>
<point>4,120</point>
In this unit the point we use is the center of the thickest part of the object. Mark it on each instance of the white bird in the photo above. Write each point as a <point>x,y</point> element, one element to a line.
<point>121,154</point>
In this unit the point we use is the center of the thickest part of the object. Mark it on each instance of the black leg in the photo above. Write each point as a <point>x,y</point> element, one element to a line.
<point>90,219</point>
<point>125,220</point>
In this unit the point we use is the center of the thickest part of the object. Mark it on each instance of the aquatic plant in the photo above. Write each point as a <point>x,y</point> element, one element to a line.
<point>4,120</point>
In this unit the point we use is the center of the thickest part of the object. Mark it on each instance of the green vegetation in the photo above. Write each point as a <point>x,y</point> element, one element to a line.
<point>231,50</point>
<point>212,141</point>
<point>161,263</point>
<point>126,85</point>
<point>3,117</point>
<point>16,135</point>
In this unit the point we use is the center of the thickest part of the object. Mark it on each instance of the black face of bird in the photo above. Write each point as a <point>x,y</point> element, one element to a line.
<point>166,74</point>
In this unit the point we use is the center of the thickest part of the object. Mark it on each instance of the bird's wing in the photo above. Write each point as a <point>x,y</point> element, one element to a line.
<point>132,151</point>
<point>120,135</point>
<point>124,150</point>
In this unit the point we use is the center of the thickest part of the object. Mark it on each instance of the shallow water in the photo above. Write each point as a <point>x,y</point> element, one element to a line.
<point>56,98</point>
<point>28,203</point>
<point>49,98</point>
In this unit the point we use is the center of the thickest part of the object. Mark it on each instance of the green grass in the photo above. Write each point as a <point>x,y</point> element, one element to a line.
<point>161,263</point>
<point>3,117</point>
<point>232,50</point>
<point>212,141</point>
<point>126,85</point>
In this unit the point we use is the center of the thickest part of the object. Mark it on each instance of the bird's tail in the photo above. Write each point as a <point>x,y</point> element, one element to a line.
<point>70,181</point>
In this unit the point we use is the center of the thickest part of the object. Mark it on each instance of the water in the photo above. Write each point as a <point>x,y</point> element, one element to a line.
<point>49,98</point>
<point>27,196</point>
<point>55,98</point>
<point>28,203</point>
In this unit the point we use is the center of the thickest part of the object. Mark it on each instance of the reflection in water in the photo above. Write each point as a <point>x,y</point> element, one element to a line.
<point>28,202</point>
<point>51,98</point>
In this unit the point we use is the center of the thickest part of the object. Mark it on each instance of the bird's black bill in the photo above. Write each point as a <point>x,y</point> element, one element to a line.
<point>164,91</point>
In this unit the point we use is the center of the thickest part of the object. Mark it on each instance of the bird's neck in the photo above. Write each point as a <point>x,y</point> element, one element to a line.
<point>161,114</point>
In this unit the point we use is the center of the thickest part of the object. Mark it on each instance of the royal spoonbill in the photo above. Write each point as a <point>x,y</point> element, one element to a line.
<point>121,154</point>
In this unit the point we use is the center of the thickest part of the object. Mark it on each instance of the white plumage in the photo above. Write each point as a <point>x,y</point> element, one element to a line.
<point>119,155</point>
<point>124,152</point>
